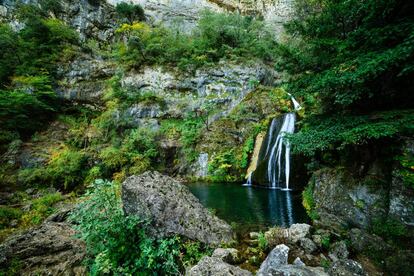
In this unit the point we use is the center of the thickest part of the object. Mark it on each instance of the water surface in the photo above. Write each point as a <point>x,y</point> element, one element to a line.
<point>251,208</point>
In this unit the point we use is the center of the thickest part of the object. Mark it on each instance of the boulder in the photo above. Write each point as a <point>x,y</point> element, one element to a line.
<point>211,266</point>
<point>49,249</point>
<point>172,209</point>
<point>298,231</point>
<point>346,268</point>
<point>277,257</point>
<point>228,255</point>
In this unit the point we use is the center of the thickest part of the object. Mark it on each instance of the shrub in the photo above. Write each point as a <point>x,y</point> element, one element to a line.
<point>66,168</point>
<point>40,209</point>
<point>308,202</point>
<point>130,11</point>
<point>263,243</point>
<point>7,214</point>
<point>119,244</point>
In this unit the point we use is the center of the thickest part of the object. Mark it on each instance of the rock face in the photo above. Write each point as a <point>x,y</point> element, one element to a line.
<point>172,209</point>
<point>224,85</point>
<point>185,13</point>
<point>92,20</point>
<point>344,200</point>
<point>84,79</point>
<point>49,249</point>
<point>212,266</point>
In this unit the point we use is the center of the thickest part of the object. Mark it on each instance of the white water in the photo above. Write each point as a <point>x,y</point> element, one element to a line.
<point>249,180</point>
<point>202,165</point>
<point>277,159</point>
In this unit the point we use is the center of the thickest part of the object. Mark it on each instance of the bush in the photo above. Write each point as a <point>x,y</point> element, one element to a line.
<point>66,168</point>
<point>130,11</point>
<point>119,244</point>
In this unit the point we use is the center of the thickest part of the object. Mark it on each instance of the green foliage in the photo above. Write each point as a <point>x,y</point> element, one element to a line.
<point>389,228</point>
<point>119,244</point>
<point>193,251</point>
<point>40,209</point>
<point>130,11</point>
<point>247,151</point>
<point>13,268</point>
<point>217,36</point>
<point>27,70</point>
<point>66,168</point>
<point>407,168</point>
<point>352,63</point>
<point>222,165</point>
<point>26,108</point>
<point>325,133</point>
<point>326,242</point>
<point>8,214</point>
<point>308,202</point>
<point>263,243</point>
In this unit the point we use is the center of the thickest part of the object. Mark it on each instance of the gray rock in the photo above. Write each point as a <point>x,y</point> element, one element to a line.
<point>298,262</point>
<point>338,251</point>
<point>210,266</point>
<point>346,268</point>
<point>308,245</point>
<point>49,249</point>
<point>362,241</point>
<point>228,255</point>
<point>172,209</point>
<point>277,257</point>
<point>295,270</point>
<point>298,231</point>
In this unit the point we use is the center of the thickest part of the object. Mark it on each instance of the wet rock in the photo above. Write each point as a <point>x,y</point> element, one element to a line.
<point>172,209</point>
<point>346,268</point>
<point>308,245</point>
<point>49,249</point>
<point>211,266</point>
<point>276,258</point>
<point>228,255</point>
<point>338,251</point>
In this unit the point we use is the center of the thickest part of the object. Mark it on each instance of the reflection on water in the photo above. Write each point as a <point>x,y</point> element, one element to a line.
<point>250,207</point>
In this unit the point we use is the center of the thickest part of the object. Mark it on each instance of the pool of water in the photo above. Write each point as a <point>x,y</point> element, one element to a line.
<point>251,208</point>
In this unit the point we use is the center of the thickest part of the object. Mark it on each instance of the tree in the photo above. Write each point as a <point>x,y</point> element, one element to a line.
<point>351,60</point>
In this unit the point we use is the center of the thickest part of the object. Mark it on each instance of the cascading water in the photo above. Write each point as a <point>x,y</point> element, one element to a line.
<point>281,148</point>
<point>202,165</point>
<point>276,152</point>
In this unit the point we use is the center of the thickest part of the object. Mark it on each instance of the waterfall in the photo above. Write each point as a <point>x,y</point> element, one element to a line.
<point>202,165</point>
<point>280,154</point>
<point>274,155</point>
<point>249,180</point>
